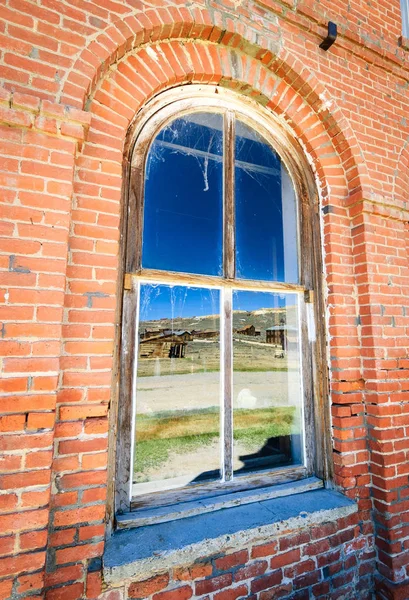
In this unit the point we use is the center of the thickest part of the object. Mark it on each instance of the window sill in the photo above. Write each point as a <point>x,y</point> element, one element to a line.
<point>181,510</point>
<point>155,548</point>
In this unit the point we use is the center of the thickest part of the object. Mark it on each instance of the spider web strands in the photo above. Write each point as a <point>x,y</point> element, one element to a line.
<point>209,155</point>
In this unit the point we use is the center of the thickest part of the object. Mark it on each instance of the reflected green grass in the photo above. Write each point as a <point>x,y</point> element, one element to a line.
<point>179,432</point>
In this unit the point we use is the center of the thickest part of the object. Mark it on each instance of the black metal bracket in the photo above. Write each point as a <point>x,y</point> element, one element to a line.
<point>331,37</point>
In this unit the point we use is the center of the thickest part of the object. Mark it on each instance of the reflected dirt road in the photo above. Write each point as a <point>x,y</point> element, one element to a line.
<point>202,390</point>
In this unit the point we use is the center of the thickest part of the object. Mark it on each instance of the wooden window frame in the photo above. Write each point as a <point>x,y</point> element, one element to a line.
<point>147,123</point>
<point>404,9</point>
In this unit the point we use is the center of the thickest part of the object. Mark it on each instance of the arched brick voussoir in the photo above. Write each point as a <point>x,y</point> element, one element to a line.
<point>148,71</point>
<point>130,33</point>
<point>302,80</point>
<point>182,23</point>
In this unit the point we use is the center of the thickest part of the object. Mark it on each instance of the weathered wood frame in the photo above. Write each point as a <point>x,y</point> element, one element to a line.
<point>146,125</point>
<point>404,7</point>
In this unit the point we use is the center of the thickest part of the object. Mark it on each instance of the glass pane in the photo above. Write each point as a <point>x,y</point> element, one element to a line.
<point>183,205</point>
<point>267,387</point>
<point>266,211</point>
<point>178,387</point>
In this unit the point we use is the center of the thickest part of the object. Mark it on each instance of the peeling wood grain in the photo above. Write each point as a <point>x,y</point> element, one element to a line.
<point>124,470</point>
<point>229,220</point>
<point>215,489</point>
<point>227,371</point>
<point>169,277</point>
<point>238,498</point>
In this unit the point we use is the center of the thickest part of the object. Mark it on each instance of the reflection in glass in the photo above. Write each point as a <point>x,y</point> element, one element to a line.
<point>267,394</point>
<point>183,200</point>
<point>178,387</point>
<point>266,230</point>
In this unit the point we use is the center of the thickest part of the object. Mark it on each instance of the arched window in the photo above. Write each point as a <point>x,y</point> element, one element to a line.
<point>216,371</point>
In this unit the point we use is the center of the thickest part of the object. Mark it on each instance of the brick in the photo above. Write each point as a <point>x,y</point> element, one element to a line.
<point>35,499</point>
<point>211,585</point>
<point>316,548</point>
<point>14,117</point>
<point>40,420</point>
<point>68,592</point>
<point>30,583</point>
<point>79,552</point>
<point>91,531</point>
<point>276,592</point>
<point>79,515</point>
<point>64,537</point>
<point>298,569</point>
<point>78,480</point>
<point>38,459</point>
<point>232,594</point>
<point>7,502</point>
<point>18,480</point>
<point>94,585</point>
<point>70,413</point>
<point>182,593</point>
<point>266,581</point>
<point>33,540</point>
<point>10,463</point>
<point>142,589</point>
<point>196,571</point>
<point>286,558</point>
<point>94,495</point>
<point>231,560</point>
<point>95,461</point>
<point>7,545</point>
<point>12,423</point>
<point>264,550</point>
<point>294,540</point>
<point>5,588</point>
<point>76,446</point>
<point>251,570</point>
<point>13,565</point>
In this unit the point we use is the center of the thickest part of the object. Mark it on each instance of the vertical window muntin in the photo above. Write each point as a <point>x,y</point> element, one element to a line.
<point>231,283</point>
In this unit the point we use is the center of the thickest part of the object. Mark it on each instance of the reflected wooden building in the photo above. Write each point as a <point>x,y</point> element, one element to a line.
<point>205,334</point>
<point>249,330</point>
<point>150,332</point>
<point>165,345</point>
<point>283,336</point>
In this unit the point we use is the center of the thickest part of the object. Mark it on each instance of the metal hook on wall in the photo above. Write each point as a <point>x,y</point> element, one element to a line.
<point>331,37</point>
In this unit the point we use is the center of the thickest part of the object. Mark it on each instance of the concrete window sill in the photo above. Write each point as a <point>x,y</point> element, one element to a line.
<point>145,551</point>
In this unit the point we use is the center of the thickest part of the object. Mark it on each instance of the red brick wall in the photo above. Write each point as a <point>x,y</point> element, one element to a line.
<point>74,75</point>
<point>325,561</point>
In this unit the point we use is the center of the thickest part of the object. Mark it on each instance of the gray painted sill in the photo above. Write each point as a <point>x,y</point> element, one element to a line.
<point>182,510</point>
<point>144,551</point>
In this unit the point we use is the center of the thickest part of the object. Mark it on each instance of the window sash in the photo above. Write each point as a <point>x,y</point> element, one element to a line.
<point>225,283</point>
<point>138,172</point>
<point>251,479</point>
